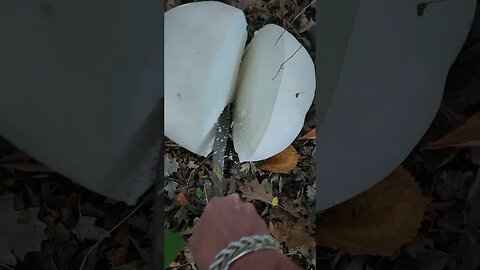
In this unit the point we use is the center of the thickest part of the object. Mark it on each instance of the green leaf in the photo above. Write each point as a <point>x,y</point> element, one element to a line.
<point>199,192</point>
<point>173,244</point>
<point>133,265</point>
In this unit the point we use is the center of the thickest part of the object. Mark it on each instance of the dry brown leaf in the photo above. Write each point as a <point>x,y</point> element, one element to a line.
<point>254,191</point>
<point>378,221</point>
<point>283,162</point>
<point>311,135</point>
<point>293,238</point>
<point>245,4</point>
<point>117,255</point>
<point>169,4</point>
<point>306,24</point>
<point>299,238</point>
<point>182,199</point>
<point>22,162</point>
<point>467,135</point>
<point>281,232</point>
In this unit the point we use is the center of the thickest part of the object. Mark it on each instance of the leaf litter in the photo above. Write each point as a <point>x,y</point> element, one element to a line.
<point>281,188</point>
<point>75,227</point>
<point>445,167</point>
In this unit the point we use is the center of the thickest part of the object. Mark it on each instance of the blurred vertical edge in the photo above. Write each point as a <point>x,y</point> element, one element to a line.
<point>335,20</point>
<point>158,244</point>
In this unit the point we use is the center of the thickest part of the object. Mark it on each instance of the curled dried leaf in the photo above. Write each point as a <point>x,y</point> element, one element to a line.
<point>182,199</point>
<point>283,162</point>
<point>311,135</point>
<point>467,135</point>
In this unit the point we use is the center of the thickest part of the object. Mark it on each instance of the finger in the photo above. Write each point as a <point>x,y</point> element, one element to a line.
<point>250,208</point>
<point>235,201</point>
<point>234,197</point>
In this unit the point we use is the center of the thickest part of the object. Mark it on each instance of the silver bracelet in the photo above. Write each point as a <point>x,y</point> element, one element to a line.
<point>240,248</point>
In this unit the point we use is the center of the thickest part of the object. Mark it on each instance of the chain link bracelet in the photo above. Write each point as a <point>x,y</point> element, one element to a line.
<point>242,247</point>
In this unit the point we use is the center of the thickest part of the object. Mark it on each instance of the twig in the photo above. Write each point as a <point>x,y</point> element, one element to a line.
<point>294,19</point>
<point>205,190</point>
<point>6,267</point>
<point>194,170</point>
<point>107,234</point>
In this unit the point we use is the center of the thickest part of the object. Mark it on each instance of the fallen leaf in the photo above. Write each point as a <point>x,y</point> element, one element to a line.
<point>170,165</point>
<point>275,201</point>
<point>182,199</point>
<point>292,207</point>
<point>118,253</point>
<point>281,232</point>
<point>305,25</point>
<point>283,162</point>
<point>254,191</point>
<point>133,265</point>
<point>145,252</point>
<point>467,135</point>
<point>293,237</point>
<point>87,229</point>
<point>245,4</point>
<point>169,4</point>
<point>450,185</point>
<point>56,232</point>
<point>170,189</point>
<point>192,165</point>
<point>311,192</point>
<point>89,210</point>
<point>378,221</point>
<point>22,162</point>
<point>139,221</point>
<point>431,260</point>
<point>173,243</point>
<point>300,238</point>
<point>419,244</point>
<point>200,193</point>
<point>17,237</point>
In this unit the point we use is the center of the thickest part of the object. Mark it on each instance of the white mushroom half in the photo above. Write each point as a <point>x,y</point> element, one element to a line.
<point>272,86</point>
<point>386,84</point>
<point>275,91</point>
<point>204,44</point>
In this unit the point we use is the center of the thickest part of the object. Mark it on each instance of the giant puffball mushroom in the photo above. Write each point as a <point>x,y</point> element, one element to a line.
<point>382,75</point>
<point>272,86</point>
<point>276,89</point>
<point>79,90</point>
<point>202,58</point>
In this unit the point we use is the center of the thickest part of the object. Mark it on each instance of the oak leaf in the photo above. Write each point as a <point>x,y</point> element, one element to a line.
<point>281,232</point>
<point>283,162</point>
<point>19,233</point>
<point>467,135</point>
<point>300,238</point>
<point>293,237</point>
<point>378,221</point>
<point>87,229</point>
<point>256,191</point>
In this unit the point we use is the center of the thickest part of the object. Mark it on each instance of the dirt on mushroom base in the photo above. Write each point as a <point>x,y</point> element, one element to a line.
<point>284,200</point>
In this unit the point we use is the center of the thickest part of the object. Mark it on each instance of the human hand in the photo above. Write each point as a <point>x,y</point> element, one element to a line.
<point>223,221</point>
